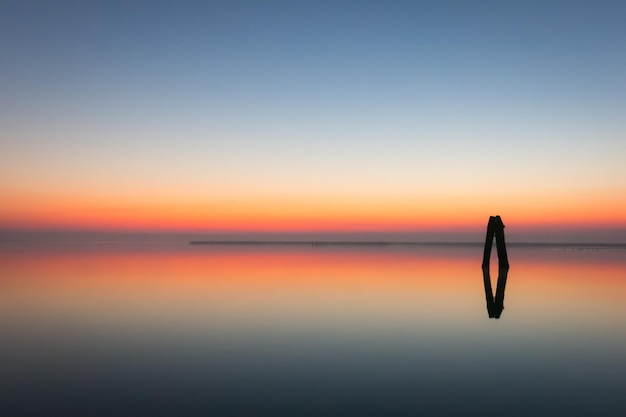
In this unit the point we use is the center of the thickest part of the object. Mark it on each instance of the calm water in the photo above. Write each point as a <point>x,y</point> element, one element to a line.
<point>173,329</point>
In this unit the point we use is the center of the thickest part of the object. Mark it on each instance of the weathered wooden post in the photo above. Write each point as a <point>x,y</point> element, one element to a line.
<point>495,227</point>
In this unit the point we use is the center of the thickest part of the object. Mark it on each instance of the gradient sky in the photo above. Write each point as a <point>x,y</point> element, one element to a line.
<point>313,116</point>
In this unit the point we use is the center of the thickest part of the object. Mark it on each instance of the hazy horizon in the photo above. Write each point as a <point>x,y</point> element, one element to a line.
<point>613,236</point>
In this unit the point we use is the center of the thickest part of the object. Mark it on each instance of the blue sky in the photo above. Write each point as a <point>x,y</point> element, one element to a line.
<point>312,98</point>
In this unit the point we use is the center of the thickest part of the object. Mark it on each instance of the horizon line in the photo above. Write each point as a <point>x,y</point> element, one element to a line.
<point>594,245</point>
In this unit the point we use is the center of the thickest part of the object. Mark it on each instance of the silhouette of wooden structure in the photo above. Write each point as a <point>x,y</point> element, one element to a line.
<point>495,229</point>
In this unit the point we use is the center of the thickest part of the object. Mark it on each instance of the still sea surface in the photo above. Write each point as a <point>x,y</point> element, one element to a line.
<point>172,329</point>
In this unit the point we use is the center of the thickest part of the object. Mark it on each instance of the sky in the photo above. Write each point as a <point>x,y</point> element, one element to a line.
<point>313,116</point>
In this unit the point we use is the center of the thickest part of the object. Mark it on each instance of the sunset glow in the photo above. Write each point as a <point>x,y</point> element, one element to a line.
<point>338,214</point>
<point>286,208</point>
<point>284,118</point>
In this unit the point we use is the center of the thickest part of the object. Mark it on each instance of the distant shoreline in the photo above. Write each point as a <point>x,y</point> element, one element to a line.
<point>399,243</point>
<point>312,243</point>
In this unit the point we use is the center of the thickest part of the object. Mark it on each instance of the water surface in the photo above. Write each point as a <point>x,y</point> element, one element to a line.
<point>176,329</point>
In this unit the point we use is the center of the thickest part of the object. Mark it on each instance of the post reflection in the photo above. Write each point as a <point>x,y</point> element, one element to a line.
<point>495,305</point>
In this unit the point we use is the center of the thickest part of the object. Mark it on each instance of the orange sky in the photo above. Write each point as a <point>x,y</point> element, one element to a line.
<point>308,213</point>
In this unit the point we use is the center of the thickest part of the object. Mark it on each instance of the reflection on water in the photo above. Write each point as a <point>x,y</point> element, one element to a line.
<point>495,305</point>
<point>172,329</point>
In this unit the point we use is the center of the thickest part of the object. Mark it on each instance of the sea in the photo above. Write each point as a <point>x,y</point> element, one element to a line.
<point>162,327</point>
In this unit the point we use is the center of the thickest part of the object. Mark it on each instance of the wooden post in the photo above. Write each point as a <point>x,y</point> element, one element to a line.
<point>495,228</point>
